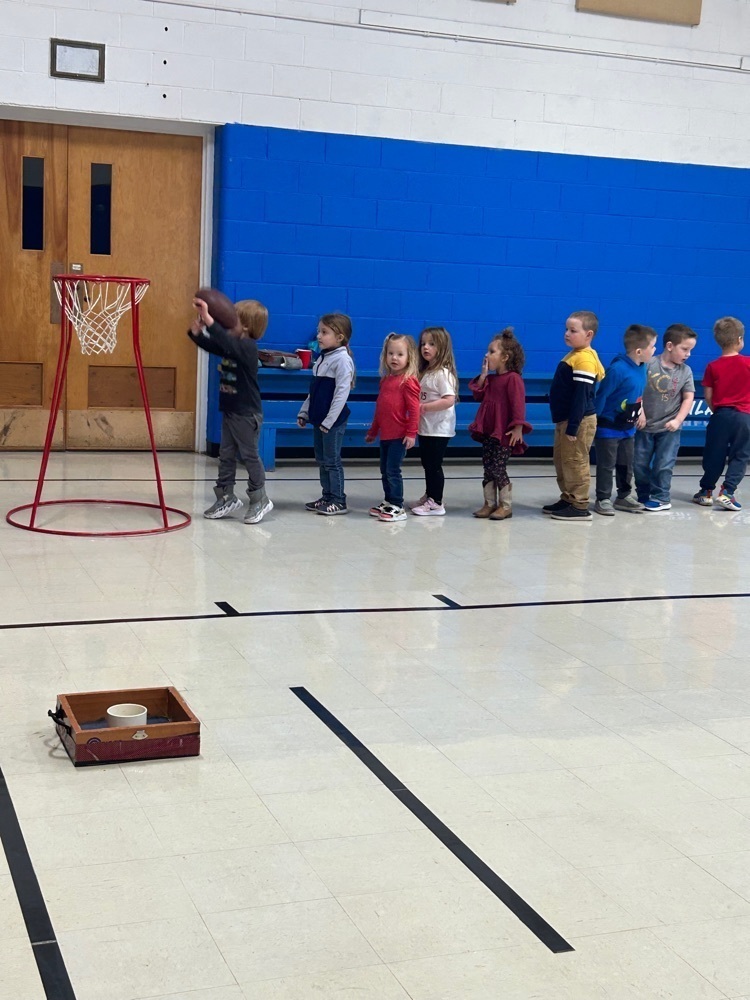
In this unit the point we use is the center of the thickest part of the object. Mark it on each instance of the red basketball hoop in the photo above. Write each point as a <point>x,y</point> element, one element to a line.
<point>93,305</point>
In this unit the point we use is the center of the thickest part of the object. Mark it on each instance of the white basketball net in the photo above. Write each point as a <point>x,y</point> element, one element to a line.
<point>94,309</point>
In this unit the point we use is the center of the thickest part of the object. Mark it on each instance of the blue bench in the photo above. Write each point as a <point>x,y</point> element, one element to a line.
<point>283,393</point>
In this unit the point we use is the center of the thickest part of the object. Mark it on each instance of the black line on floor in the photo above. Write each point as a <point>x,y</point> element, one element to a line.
<point>227,608</point>
<point>115,621</point>
<point>446,600</point>
<point>49,960</point>
<point>518,906</point>
<point>444,606</point>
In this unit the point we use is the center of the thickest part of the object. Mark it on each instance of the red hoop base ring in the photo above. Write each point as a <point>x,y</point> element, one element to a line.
<point>185,519</point>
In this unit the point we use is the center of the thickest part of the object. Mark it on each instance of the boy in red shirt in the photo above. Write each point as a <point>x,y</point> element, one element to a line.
<point>727,384</point>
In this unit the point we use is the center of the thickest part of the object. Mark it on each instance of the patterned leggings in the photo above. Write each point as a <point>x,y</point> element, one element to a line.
<point>495,460</point>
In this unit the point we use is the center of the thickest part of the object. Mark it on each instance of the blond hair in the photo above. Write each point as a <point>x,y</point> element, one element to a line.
<point>412,358</point>
<point>728,332</point>
<point>443,353</point>
<point>253,317</point>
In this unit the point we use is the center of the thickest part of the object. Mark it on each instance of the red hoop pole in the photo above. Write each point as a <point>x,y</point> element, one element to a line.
<point>66,335</point>
<point>135,319</point>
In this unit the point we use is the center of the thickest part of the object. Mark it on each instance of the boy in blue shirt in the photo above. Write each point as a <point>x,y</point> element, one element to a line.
<point>618,406</point>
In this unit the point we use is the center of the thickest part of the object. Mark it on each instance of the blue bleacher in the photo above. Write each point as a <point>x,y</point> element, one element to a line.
<point>283,392</point>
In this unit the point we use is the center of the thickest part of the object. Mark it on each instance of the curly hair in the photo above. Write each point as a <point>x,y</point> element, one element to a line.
<point>515,359</point>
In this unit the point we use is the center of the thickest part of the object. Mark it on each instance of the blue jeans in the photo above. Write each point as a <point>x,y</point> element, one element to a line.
<point>391,456</point>
<point>654,459</point>
<point>727,440</point>
<point>328,456</point>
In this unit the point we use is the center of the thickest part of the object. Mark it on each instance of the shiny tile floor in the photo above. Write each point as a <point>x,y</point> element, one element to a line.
<point>594,755</point>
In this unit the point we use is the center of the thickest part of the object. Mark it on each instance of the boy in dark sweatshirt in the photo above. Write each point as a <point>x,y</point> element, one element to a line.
<point>240,405</point>
<point>618,406</point>
<point>571,400</point>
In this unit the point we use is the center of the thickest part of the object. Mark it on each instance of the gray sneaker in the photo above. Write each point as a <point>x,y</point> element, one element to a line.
<point>258,506</point>
<point>629,504</point>
<point>226,503</point>
<point>604,507</point>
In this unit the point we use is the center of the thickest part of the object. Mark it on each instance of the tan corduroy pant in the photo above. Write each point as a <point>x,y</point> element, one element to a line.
<point>572,465</point>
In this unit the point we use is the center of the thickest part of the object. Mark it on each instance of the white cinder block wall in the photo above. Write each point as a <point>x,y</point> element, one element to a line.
<point>535,75</point>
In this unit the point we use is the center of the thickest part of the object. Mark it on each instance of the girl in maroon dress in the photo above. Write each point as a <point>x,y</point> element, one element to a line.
<point>500,421</point>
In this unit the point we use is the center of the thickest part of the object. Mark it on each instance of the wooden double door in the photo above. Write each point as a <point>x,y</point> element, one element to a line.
<point>97,201</point>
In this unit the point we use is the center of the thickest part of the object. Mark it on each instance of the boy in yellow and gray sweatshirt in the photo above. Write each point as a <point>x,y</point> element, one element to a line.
<point>571,400</point>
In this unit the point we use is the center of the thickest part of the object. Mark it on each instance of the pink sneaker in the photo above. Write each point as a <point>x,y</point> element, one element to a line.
<point>428,507</point>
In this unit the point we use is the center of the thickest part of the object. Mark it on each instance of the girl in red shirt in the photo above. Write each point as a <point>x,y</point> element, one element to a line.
<point>500,421</point>
<point>396,420</point>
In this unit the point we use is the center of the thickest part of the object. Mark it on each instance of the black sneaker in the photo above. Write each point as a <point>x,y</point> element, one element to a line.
<point>315,505</point>
<point>555,508</point>
<point>332,508</point>
<point>571,513</point>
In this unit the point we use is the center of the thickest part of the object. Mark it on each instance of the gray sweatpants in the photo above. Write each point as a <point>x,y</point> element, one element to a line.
<point>614,458</point>
<point>239,442</point>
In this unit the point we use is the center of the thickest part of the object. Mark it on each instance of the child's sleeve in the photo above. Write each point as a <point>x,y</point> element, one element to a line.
<point>304,410</point>
<point>689,384</point>
<point>708,377</point>
<point>375,425</point>
<point>517,403</point>
<point>343,376</point>
<point>478,391</point>
<point>411,391</point>
<point>217,341</point>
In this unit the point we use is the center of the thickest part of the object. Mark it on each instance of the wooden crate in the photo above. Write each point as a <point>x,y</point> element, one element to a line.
<point>176,733</point>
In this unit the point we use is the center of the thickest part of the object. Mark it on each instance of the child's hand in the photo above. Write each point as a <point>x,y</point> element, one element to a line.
<point>197,325</point>
<point>301,422</point>
<point>641,421</point>
<point>408,442</point>
<point>673,425</point>
<point>205,316</point>
<point>485,365</point>
<point>515,434</point>
<point>571,437</point>
<point>369,438</point>
<point>324,429</point>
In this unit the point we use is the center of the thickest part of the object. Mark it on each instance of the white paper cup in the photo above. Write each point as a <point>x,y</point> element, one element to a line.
<point>127,715</point>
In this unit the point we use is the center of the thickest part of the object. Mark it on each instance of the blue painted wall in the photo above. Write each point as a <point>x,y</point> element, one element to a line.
<point>403,234</point>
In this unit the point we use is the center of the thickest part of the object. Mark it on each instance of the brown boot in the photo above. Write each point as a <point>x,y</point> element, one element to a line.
<point>490,501</point>
<point>506,504</point>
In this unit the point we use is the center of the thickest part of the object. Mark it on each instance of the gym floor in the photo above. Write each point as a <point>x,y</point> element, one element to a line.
<point>477,759</point>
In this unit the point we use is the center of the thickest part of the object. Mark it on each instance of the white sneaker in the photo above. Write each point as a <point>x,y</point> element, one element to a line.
<point>377,511</point>
<point>428,507</point>
<point>392,513</point>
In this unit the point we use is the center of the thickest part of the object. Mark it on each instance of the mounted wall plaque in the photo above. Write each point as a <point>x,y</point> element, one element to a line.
<point>71,60</point>
<point>670,11</point>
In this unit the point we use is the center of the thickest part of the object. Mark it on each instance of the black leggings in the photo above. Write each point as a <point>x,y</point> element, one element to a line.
<point>431,454</point>
<point>495,460</point>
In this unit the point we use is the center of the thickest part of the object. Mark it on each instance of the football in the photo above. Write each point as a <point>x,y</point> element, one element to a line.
<point>220,306</point>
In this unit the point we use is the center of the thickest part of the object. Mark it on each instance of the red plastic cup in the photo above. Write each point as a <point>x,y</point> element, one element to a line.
<point>305,356</point>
